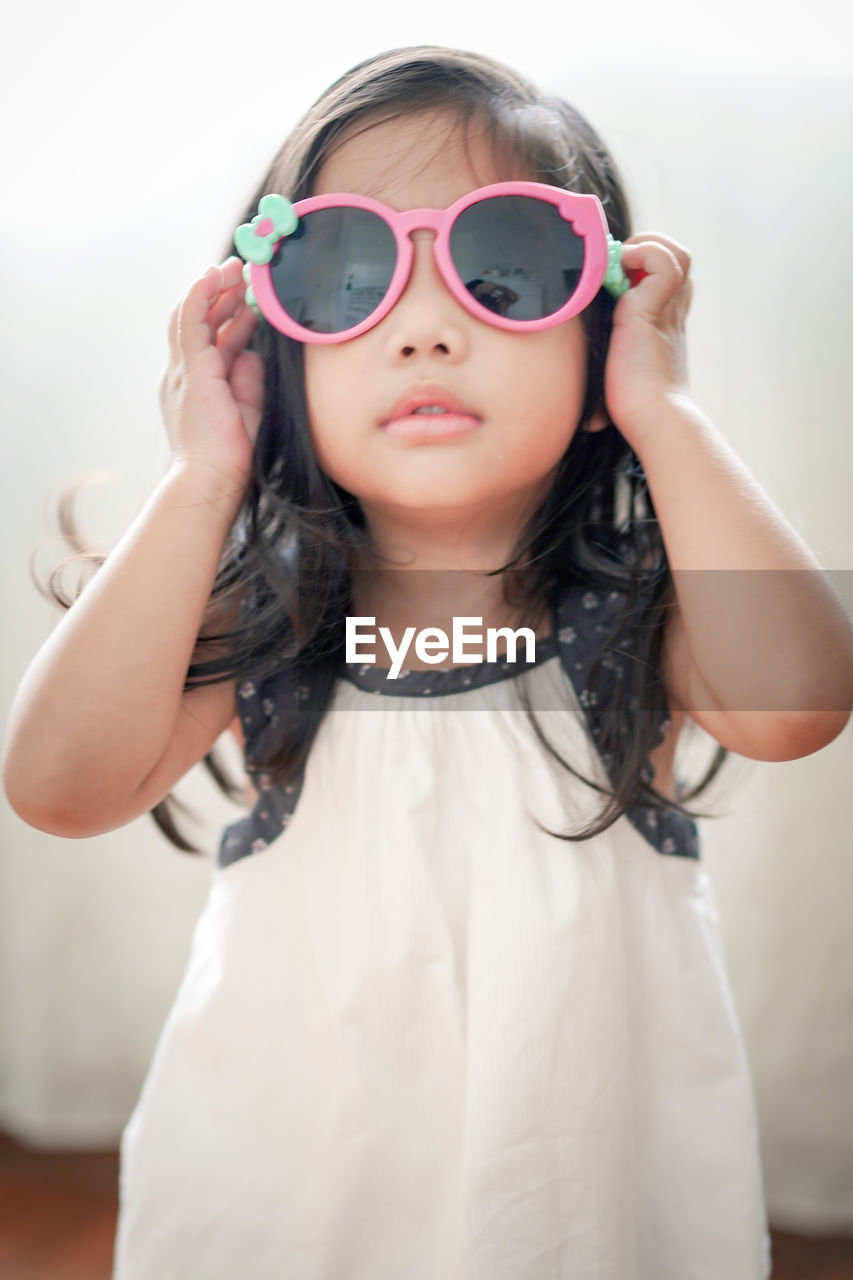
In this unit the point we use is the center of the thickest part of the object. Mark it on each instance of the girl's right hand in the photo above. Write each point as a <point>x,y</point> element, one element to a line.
<point>212,392</point>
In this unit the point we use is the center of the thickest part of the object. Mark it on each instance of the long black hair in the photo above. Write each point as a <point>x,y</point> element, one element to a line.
<point>285,576</point>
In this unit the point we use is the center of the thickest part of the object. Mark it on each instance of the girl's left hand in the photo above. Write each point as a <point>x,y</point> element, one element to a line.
<point>647,358</point>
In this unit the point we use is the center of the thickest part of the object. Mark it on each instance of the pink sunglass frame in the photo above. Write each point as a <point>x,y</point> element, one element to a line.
<point>584,213</point>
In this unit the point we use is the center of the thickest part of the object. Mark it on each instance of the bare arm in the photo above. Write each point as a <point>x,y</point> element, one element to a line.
<point>102,707</point>
<point>759,651</point>
<point>101,727</point>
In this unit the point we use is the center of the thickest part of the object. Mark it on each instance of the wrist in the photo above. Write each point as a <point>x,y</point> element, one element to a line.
<point>656,421</point>
<point>192,482</point>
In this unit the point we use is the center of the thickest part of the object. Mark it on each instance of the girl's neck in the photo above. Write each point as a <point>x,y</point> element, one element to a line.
<point>474,541</point>
<point>426,569</point>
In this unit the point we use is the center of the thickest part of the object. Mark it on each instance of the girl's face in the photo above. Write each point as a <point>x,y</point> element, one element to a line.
<point>521,393</point>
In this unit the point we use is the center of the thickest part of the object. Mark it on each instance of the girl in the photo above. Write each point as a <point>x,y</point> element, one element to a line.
<point>456,1005</point>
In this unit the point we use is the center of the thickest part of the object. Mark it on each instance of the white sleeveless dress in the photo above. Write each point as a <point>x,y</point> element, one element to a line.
<point>419,1038</point>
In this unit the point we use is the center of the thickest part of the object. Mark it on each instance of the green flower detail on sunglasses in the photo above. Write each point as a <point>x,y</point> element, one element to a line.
<point>256,240</point>
<point>615,281</point>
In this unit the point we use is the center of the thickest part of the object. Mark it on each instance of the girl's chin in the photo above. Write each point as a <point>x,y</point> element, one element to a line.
<point>453,502</point>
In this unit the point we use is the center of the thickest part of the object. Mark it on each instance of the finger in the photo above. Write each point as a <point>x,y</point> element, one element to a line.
<point>688,295</point>
<point>232,273</point>
<point>232,276</point>
<point>678,250</point>
<point>230,296</point>
<point>663,275</point>
<point>247,385</point>
<point>174,354</point>
<point>225,306</point>
<point>193,332</point>
<point>234,335</point>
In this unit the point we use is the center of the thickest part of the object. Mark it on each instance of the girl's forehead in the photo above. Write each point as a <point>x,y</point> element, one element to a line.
<point>428,159</point>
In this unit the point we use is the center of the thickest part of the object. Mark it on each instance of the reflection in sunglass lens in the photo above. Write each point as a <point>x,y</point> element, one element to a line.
<point>517,256</point>
<point>335,269</point>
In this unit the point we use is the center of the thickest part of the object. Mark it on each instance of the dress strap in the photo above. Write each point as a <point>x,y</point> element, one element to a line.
<point>263,707</point>
<point>585,622</point>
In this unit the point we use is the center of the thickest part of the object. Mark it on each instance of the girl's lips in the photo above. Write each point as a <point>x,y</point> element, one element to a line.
<point>432,426</point>
<point>455,420</point>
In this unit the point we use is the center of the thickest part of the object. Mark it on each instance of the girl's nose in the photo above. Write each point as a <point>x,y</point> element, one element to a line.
<point>426,321</point>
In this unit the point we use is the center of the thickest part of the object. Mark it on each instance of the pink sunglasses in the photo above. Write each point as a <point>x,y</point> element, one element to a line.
<point>521,256</point>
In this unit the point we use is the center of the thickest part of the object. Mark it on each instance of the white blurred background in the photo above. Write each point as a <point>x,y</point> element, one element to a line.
<point>133,136</point>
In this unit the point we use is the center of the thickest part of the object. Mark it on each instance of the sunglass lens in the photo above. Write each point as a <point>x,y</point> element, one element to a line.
<point>335,269</point>
<point>517,256</point>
